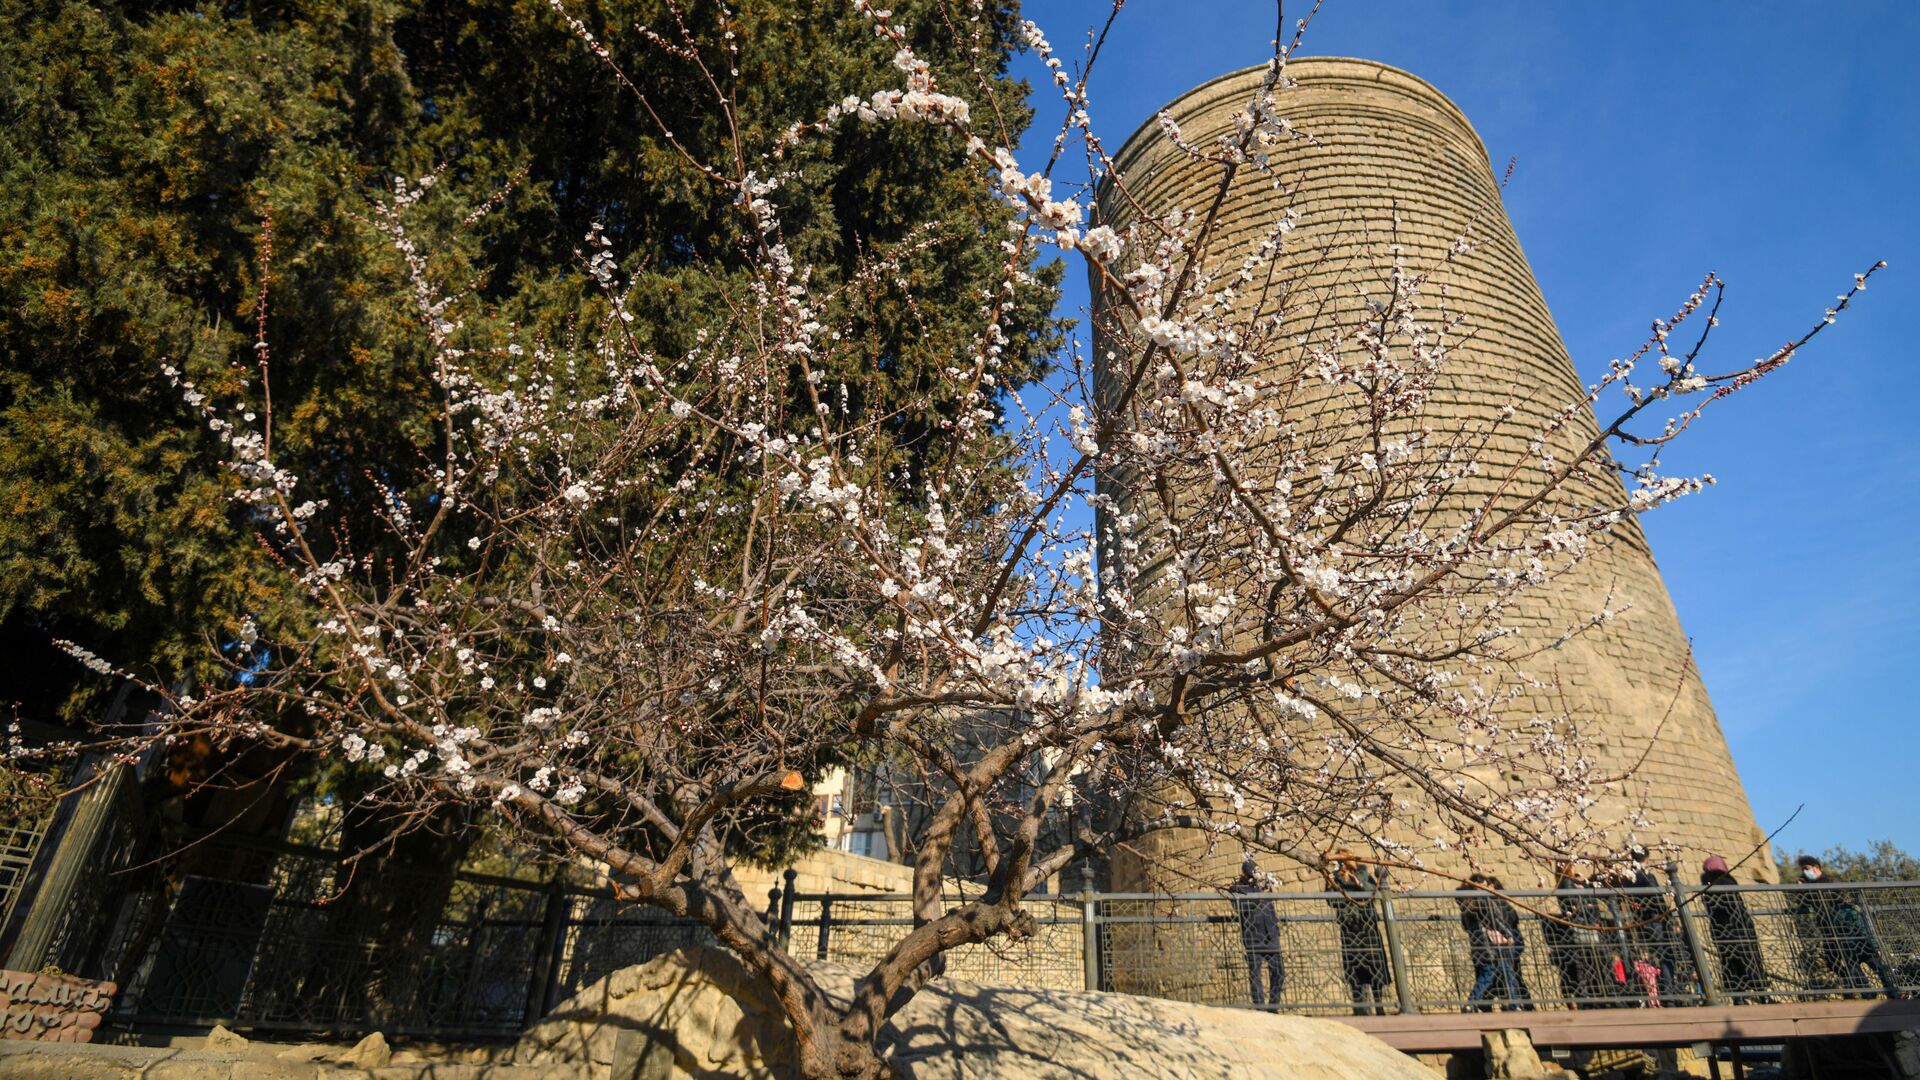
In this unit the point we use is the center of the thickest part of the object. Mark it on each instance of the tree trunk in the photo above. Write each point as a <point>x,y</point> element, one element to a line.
<point>842,1054</point>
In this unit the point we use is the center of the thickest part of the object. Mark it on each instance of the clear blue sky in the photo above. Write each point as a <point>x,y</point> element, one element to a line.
<point>1777,145</point>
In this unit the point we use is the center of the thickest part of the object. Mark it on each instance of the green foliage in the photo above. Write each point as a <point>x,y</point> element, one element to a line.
<point>1881,861</point>
<point>140,156</point>
<point>145,147</point>
<point>27,796</point>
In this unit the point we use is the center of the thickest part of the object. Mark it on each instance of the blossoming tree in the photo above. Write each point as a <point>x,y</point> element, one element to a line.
<point>639,598</point>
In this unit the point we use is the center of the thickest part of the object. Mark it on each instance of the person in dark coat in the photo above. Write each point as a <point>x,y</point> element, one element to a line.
<point>1362,957</point>
<point>1574,943</point>
<point>1617,945</point>
<point>1494,943</point>
<point>1832,921</point>
<point>1259,934</point>
<point>1735,940</point>
<point>1651,924</point>
<point>1518,996</point>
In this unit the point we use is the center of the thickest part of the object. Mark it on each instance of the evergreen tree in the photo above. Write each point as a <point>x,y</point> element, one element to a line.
<point>1881,860</point>
<point>146,149</point>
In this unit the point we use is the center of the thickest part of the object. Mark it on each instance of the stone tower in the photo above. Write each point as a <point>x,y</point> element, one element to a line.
<point>1392,161</point>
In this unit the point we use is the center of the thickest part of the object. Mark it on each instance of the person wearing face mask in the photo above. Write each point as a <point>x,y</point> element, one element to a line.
<point>1832,922</point>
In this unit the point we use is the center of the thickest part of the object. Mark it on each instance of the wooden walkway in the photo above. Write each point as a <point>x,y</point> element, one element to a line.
<point>1644,1027</point>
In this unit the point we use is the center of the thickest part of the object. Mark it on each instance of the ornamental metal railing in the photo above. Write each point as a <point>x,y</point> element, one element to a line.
<point>1423,951</point>
<point>257,936</point>
<point>265,936</point>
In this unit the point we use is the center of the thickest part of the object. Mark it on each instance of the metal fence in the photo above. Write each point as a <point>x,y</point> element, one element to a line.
<point>858,930</point>
<point>1412,952</point>
<point>253,936</point>
<point>21,831</point>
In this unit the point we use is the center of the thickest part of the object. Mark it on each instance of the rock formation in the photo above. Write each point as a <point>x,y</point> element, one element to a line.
<point>696,1013</point>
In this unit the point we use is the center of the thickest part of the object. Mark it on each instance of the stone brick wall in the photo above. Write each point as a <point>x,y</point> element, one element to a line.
<point>827,870</point>
<point>1393,163</point>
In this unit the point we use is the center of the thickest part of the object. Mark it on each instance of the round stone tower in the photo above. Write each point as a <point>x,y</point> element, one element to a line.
<point>1391,168</point>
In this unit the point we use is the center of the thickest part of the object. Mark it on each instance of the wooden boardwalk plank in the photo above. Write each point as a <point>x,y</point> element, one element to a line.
<point>1644,1027</point>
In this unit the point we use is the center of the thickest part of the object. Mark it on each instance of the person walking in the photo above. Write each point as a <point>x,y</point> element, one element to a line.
<point>1494,943</point>
<point>1735,940</point>
<point>1651,926</point>
<point>1624,986</point>
<point>1839,932</point>
<point>1363,958</point>
<point>1517,994</point>
<point>1259,934</point>
<point>1574,940</point>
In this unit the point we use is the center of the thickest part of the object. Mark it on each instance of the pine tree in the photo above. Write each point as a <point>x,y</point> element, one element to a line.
<point>148,150</point>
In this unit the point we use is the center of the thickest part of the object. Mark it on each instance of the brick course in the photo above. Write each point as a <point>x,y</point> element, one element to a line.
<point>1393,161</point>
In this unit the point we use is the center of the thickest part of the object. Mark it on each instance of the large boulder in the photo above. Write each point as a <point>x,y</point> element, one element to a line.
<point>697,1013</point>
<point>694,1012</point>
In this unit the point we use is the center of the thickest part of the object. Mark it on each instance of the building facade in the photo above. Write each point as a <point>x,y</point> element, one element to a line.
<point>1392,169</point>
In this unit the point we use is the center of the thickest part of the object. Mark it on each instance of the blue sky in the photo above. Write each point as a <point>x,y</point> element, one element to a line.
<point>1776,145</point>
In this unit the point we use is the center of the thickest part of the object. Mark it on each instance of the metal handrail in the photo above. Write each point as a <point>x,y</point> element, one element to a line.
<point>508,948</point>
<point>1586,947</point>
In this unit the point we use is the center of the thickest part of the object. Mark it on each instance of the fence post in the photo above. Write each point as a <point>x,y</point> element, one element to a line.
<point>786,909</point>
<point>1709,992</point>
<point>1397,959</point>
<point>826,926</point>
<point>1089,940</point>
<point>553,941</point>
<point>76,827</point>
